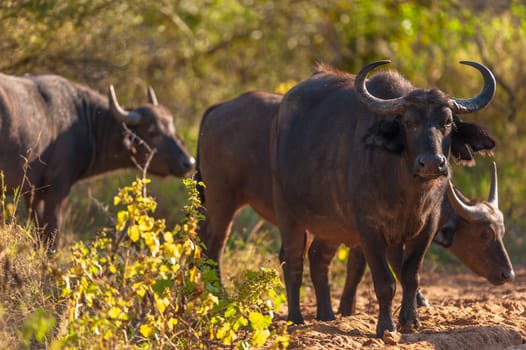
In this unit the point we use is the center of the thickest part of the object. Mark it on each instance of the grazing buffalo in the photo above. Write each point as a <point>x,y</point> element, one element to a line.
<point>234,163</point>
<point>368,165</point>
<point>54,132</point>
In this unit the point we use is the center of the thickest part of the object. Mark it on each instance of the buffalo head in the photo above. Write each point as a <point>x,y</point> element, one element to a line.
<point>476,234</point>
<point>424,123</point>
<point>153,124</point>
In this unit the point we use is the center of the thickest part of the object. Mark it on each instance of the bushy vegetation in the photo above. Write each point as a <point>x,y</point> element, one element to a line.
<point>138,285</point>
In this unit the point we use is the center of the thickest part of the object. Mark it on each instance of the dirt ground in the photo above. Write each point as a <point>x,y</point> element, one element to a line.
<point>465,312</point>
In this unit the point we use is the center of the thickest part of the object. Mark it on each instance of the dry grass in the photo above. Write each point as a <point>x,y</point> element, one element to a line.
<point>25,286</point>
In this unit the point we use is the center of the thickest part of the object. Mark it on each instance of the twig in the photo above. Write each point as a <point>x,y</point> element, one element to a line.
<point>150,152</point>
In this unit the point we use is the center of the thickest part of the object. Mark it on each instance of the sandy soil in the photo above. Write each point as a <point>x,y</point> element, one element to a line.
<point>466,312</point>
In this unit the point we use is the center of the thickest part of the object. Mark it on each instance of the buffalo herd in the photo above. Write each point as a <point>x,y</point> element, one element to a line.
<point>339,158</point>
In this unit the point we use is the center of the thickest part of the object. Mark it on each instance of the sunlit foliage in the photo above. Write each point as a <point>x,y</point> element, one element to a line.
<point>149,287</point>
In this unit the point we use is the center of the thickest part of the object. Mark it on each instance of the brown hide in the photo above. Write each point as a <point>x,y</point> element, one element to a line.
<point>233,162</point>
<point>364,167</point>
<point>54,132</point>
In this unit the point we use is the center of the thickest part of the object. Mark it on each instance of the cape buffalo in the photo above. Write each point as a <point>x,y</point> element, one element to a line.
<point>472,229</point>
<point>368,165</point>
<point>54,132</point>
<point>233,161</point>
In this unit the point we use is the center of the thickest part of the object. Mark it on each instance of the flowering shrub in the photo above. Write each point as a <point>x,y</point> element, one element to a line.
<point>150,288</point>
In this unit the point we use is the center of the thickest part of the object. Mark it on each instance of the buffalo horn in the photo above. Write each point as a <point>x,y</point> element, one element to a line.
<point>129,118</point>
<point>466,211</point>
<point>493,197</point>
<point>375,104</point>
<point>151,96</point>
<point>481,100</point>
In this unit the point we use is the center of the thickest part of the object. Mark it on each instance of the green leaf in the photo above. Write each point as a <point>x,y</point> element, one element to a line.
<point>38,325</point>
<point>231,310</point>
<point>160,286</point>
<point>223,333</point>
<point>259,321</point>
<point>240,322</point>
<point>260,337</point>
<point>116,313</point>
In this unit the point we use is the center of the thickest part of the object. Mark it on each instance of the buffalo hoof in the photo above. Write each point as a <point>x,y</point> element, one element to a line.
<point>409,327</point>
<point>384,325</point>
<point>296,318</point>
<point>346,308</point>
<point>344,311</point>
<point>325,316</point>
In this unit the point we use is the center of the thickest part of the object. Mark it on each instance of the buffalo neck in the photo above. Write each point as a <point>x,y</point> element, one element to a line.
<point>105,134</point>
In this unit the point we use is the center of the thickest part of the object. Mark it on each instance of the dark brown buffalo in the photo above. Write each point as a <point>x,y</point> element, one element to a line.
<point>54,132</point>
<point>234,163</point>
<point>370,169</point>
<point>472,229</point>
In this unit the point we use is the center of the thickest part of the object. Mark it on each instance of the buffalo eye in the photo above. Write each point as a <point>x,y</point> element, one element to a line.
<point>445,121</point>
<point>447,125</point>
<point>484,235</point>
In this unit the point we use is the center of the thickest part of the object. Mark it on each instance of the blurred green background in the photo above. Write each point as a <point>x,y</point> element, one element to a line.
<point>199,52</point>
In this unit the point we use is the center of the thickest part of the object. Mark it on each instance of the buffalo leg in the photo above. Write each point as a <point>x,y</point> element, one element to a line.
<point>215,229</point>
<point>291,255</point>
<point>395,255</point>
<point>291,258</point>
<point>409,278</point>
<point>47,206</point>
<point>321,254</point>
<point>374,250</point>
<point>355,269</point>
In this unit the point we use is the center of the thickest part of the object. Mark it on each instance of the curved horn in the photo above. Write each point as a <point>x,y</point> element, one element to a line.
<point>375,104</point>
<point>483,98</point>
<point>468,212</point>
<point>151,96</point>
<point>493,197</point>
<point>130,118</point>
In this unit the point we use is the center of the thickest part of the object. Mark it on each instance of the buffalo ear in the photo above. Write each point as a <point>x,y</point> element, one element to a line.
<point>445,234</point>
<point>469,137</point>
<point>385,134</point>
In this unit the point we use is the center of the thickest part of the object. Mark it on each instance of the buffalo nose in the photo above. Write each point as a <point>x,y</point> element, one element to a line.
<point>188,163</point>
<point>508,275</point>
<point>428,165</point>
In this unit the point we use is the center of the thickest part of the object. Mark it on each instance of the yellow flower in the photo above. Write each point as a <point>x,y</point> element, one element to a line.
<point>146,330</point>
